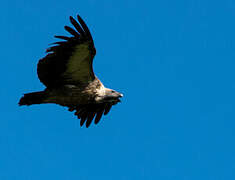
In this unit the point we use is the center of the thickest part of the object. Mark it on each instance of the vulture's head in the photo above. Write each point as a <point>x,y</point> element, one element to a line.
<point>110,95</point>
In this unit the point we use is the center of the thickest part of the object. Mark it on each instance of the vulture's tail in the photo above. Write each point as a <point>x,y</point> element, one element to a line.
<point>33,98</point>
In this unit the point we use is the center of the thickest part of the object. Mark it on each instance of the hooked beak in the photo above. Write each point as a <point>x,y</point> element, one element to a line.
<point>115,98</point>
<point>120,95</point>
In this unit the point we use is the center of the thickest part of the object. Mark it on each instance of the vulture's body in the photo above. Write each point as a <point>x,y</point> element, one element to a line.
<point>68,75</point>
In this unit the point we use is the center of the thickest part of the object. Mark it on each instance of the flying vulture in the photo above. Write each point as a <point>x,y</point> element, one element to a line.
<point>68,75</point>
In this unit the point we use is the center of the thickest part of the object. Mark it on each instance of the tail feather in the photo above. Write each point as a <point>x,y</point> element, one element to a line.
<point>33,98</point>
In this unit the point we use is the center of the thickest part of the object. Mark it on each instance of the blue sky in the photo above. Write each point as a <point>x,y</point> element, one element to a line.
<point>172,60</point>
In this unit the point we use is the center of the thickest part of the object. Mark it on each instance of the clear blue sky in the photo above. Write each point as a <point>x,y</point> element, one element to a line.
<point>174,62</point>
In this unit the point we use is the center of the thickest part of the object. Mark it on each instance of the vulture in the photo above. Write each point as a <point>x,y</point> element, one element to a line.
<point>67,72</point>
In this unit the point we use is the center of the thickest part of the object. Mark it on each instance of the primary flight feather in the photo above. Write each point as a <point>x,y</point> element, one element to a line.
<point>68,75</point>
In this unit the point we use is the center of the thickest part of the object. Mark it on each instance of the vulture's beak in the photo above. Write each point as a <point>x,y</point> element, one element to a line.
<point>120,95</point>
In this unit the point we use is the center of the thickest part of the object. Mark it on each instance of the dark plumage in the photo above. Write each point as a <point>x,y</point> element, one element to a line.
<point>68,75</point>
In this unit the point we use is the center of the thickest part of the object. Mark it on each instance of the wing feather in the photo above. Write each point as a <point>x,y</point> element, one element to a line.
<point>77,26</point>
<point>99,115</point>
<point>107,109</point>
<point>83,119</point>
<point>63,37</point>
<point>84,26</point>
<point>90,117</point>
<point>71,31</point>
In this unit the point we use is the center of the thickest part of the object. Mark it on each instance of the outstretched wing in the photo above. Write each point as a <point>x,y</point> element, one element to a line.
<point>69,61</point>
<point>88,112</point>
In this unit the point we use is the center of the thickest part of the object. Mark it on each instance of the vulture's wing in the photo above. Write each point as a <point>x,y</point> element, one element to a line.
<point>87,112</point>
<point>69,61</point>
